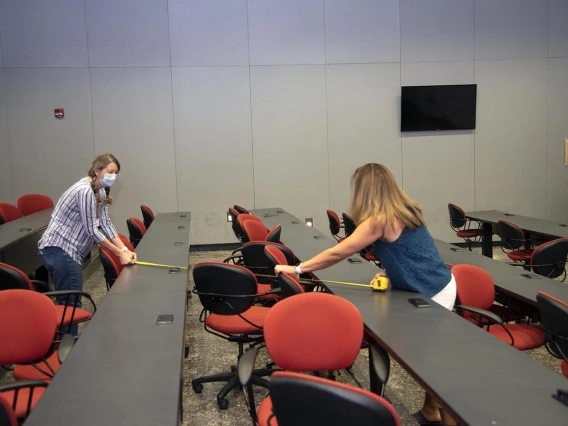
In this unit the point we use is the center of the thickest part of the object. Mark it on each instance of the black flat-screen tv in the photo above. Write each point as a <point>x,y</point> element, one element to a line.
<point>450,107</point>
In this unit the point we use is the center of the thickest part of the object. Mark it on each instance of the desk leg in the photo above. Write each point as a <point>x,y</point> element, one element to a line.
<point>487,240</point>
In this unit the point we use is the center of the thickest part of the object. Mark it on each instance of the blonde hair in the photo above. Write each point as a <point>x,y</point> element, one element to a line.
<point>100,163</point>
<point>376,195</point>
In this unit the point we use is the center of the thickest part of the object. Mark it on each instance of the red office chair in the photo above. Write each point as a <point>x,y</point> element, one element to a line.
<point>147,215</point>
<point>335,225</point>
<point>302,400</point>
<point>228,293</point>
<point>32,203</point>
<point>462,226</point>
<point>256,231</point>
<point>476,294</point>
<point>7,415</point>
<point>8,213</point>
<point>68,312</point>
<point>554,315</point>
<point>549,259</point>
<point>237,229</point>
<point>111,266</point>
<point>368,253</point>
<point>28,341</point>
<point>308,332</point>
<point>126,241</point>
<point>512,241</point>
<point>136,229</point>
<point>288,286</point>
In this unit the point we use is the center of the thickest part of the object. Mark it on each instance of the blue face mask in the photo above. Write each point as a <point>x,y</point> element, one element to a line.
<point>108,180</point>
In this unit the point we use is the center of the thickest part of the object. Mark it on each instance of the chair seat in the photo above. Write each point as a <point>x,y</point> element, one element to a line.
<point>79,316</point>
<point>234,324</point>
<point>23,396</point>
<point>564,367</point>
<point>520,255</point>
<point>29,372</point>
<point>469,233</point>
<point>264,413</point>
<point>525,336</point>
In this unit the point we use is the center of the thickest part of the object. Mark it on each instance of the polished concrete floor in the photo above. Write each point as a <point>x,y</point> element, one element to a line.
<point>210,354</point>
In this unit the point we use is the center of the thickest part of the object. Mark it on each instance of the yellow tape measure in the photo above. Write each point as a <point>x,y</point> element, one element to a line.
<point>379,283</point>
<point>138,262</point>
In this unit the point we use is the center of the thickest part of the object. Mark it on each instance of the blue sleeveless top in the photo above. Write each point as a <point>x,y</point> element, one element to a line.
<point>413,262</point>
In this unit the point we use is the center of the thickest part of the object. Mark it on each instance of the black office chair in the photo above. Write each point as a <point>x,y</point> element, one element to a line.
<point>549,259</point>
<point>554,314</point>
<point>147,215</point>
<point>368,253</point>
<point>228,293</point>
<point>513,241</point>
<point>335,225</point>
<point>470,231</point>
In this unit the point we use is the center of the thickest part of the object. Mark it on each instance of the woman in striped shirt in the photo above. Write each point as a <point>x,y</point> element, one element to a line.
<point>80,219</point>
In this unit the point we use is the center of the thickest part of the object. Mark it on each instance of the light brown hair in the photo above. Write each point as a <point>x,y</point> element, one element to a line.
<point>376,195</point>
<point>99,163</point>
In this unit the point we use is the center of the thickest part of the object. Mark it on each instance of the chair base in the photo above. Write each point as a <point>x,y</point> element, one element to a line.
<point>233,382</point>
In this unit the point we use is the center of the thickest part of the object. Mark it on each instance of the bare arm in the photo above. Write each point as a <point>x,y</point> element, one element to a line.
<point>363,236</point>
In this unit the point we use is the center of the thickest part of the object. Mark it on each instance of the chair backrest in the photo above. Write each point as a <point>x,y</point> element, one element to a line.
<point>241,209</point>
<point>334,222</point>
<point>554,315</point>
<point>254,258</point>
<point>111,266</point>
<point>330,403</point>
<point>216,282</point>
<point>7,415</point>
<point>13,279</point>
<point>275,256</point>
<point>474,286</point>
<point>274,234</point>
<point>235,224</point>
<point>313,332</point>
<point>32,203</point>
<point>9,212</point>
<point>126,241</point>
<point>289,285</point>
<point>136,229</point>
<point>349,224</point>
<point>254,230</point>
<point>512,236</point>
<point>549,259</point>
<point>457,216</point>
<point>147,215</point>
<point>32,321</point>
<point>241,219</point>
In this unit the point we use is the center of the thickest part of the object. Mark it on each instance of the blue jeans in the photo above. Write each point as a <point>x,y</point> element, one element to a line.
<point>67,275</point>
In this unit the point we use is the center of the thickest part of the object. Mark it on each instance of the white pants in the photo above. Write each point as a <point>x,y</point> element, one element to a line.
<point>447,296</point>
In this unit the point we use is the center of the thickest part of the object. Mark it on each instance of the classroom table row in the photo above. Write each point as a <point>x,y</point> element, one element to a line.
<point>478,378</point>
<point>18,240</point>
<point>125,368</point>
<point>533,226</point>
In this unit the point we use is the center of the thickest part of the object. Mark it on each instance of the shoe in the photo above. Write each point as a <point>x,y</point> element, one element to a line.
<point>423,420</point>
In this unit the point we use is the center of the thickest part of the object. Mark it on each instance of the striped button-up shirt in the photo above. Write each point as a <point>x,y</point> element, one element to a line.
<point>74,226</point>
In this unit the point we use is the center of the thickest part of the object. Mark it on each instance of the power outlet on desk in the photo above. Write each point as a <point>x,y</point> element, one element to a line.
<point>178,243</point>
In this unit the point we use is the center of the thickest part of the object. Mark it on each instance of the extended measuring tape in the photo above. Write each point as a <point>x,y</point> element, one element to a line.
<point>138,262</point>
<point>379,283</point>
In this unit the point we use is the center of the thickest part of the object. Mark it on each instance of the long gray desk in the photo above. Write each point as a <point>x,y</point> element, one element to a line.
<point>18,240</point>
<point>478,378</point>
<point>512,280</point>
<point>546,228</point>
<point>125,369</point>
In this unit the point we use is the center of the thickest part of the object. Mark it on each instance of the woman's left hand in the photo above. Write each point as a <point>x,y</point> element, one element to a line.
<point>291,270</point>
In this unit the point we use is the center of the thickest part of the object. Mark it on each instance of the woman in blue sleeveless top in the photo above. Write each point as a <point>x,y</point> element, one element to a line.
<point>390,220</point>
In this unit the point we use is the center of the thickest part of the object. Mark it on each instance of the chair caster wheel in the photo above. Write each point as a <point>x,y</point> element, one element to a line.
<point>197,387</point>
<point>223,403</point>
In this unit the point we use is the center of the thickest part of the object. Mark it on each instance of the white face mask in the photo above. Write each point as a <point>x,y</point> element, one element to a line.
<point>108,180</point>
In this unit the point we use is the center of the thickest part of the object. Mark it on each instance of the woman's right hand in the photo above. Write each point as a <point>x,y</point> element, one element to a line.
<point>126,258</point>
<point>382,273</point>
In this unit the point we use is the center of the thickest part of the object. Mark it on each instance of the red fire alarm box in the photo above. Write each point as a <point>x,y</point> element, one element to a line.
<point>59,113</point>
